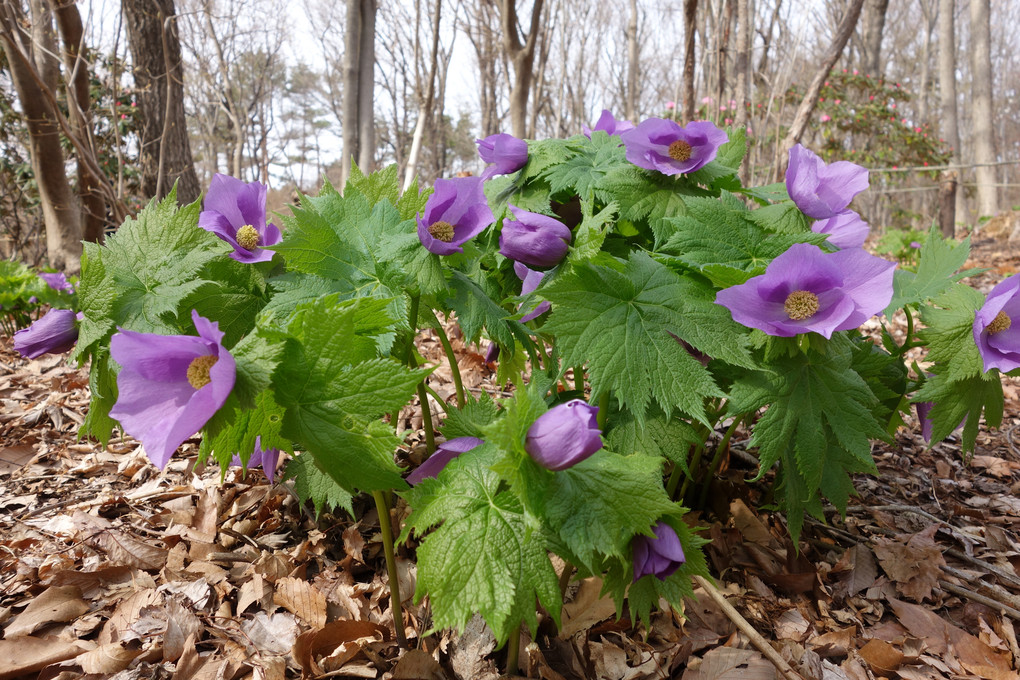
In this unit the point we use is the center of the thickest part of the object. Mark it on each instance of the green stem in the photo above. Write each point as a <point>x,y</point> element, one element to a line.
<point>513,650</point>
<point>603,413</point>
<point>452,359</point>
<point>426,419</point>
<point>391,566</point>
<point>722,448</point>
<point>579,379</point>
<point>693,467</point>
<point>435,395</point>
<point>674,480</point>
<point>908,342</point>
<point>568,571</point>
<point>412,321</point>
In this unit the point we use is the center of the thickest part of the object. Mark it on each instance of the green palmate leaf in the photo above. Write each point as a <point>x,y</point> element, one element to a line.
<point>312,484</point>
<point>292,289</point>
<point>771,193</point>
<point>591,233</point>
<point>625,326</point>
<point>597,505</point>
<point>233,431</point>
<point>949,332</point>
<point>103,395</point>
<point>471,420</point>
<point>646,196</point>
<point>96,293</point>
<point>153,260</point>
<point>382,185</point>
<point>731,154</point>
<point>956,402</point>
<point>713,233</point>
<point>528,481</point>
<point>886,376</point>
<point>940,260</point>
<point>473,300</point>
<point>482,556</point>
<point>256,357</point>
<point>581,172</point>
<point>333,385</point>
<point>645,594</point>
<point>819,420</point>
<point>781,218</point>
<point>662,436</point>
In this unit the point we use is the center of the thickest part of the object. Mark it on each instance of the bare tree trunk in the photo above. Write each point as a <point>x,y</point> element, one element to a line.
<point>981,111</point>
<point>426,100</point>
<point>521,51</point>
<point>690,30</point>
<point>93,206</point>
<point>159,80</point>
<point>810,99</point>
<point>483,38</point>
<point>633,65</point>
<point>366,87</point>
<point>947,87</point>
<point>741,66</point>
<point>874,27</point>
<point>33,68</point>
<point>930,14</point>
<point>352,54</point>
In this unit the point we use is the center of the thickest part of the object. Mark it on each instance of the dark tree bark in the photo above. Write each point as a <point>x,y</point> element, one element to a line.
<point>690,24</point>
<point>521,51</point>
<point>874,28</point>
<point>358,124</point>
<point>159,79</point>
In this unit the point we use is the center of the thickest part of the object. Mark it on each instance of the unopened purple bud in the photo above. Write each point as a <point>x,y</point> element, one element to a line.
<point>529,282</point>
<point>492,353</point>
<point>564,435</point>
<point>659,556</point>
<point>506,152</point>
<point>53,333</point>
<point>534,239</point>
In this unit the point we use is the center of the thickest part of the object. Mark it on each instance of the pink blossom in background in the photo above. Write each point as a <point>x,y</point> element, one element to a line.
<point>670,105</point>
<point>825,118</point>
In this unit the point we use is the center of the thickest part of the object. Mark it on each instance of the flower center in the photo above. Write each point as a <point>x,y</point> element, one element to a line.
<point>442,231</point>
<point>247,237</point>
<point>198,370</point>
<point>800,305</point>
<point>1000,323</point>
<point>680,150</point>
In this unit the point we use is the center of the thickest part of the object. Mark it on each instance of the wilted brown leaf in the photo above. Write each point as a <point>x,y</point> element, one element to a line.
<point>587,608</point>
<point>881,656</point>
<point>271,634</point>
<point>24,655</point>
<point>311,646</point>
<point>914,563</point>
<point>303,600</point>
<point>56,604</point>
<point>110,658</point>
<point>729,663</point>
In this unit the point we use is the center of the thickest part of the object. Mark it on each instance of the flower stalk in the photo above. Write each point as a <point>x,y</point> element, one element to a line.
<point>451,358</point>
<point>391,566</point>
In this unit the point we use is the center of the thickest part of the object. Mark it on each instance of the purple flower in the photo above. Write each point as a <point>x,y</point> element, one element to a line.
<point>170,385</point>
<point>455,213</point>
<point>268,460</point>
<point>608,124</point>
<point>663,145</point>
<point>564,435</point>
<point>446,452</point>
<point>997,340</point>
<point>805,290</point>
<point>845,229</point>
<point>658,556</point>
<point>53,333</point>
<point>530,280</point>
<point>534,239</point>
<point>923,408</point>
<point>505,152</point>
<point>236,212</point>
<point>57,281</point>
<point>492,353</point>
<point>821,191</point>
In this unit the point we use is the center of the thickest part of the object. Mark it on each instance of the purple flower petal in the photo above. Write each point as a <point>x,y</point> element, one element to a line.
<point>822,191</point>
<point>232,207</point>
<point>608,124</point>
<point>995,333</point>
<point>660,556</point>
<point>845,229</point>
<point>806,290</point>
<point>534,239</point>
<point>54,332</point>
<point>460,203</point>
<point>505,152</point>
<point>663,145</point>
<point>530,280</point>
<point>446,452</point>
<point>156,402</point>
<point>57,281</point>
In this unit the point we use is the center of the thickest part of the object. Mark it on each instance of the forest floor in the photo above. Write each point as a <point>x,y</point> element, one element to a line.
<point>110,568</point>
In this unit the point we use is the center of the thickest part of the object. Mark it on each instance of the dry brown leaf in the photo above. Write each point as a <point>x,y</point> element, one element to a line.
<point>110,658</point>
<point>311,646</point>
<point>354,542</point>
<point>835,643</point>
<point>791,625</point>
<point>997,467</point>
<point>750,527</point>
<point>270,668</point>
<point>417,664</point>
<point>587,608</point>
<point>256,589</point>
<point>881,656</point>
<point>25,655</point>
<point>858,571</point>
<point>123,549</point>
<point>181,626</point>
<point>469,653</point>
<point>302,599</point>
<point>271,634</point>
<point>729,663</point>
<point>914,564</point>
<point>56,604</point>
<point>127,613</point>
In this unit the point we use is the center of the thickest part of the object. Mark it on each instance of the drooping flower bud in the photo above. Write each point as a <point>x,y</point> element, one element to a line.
<point>53,333</point>
<point>534,239</point>
<point>822,191</point>
<point>446,452</point>
<point>564,435</point>
<point>658,556</point>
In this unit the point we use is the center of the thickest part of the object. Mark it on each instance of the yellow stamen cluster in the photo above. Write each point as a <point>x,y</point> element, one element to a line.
<point>247,237</point>
<point>1000,323</point>
<point>442,231</point>
<point>800,305</point>
<point>680,151</point>
<point>198,370</point>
